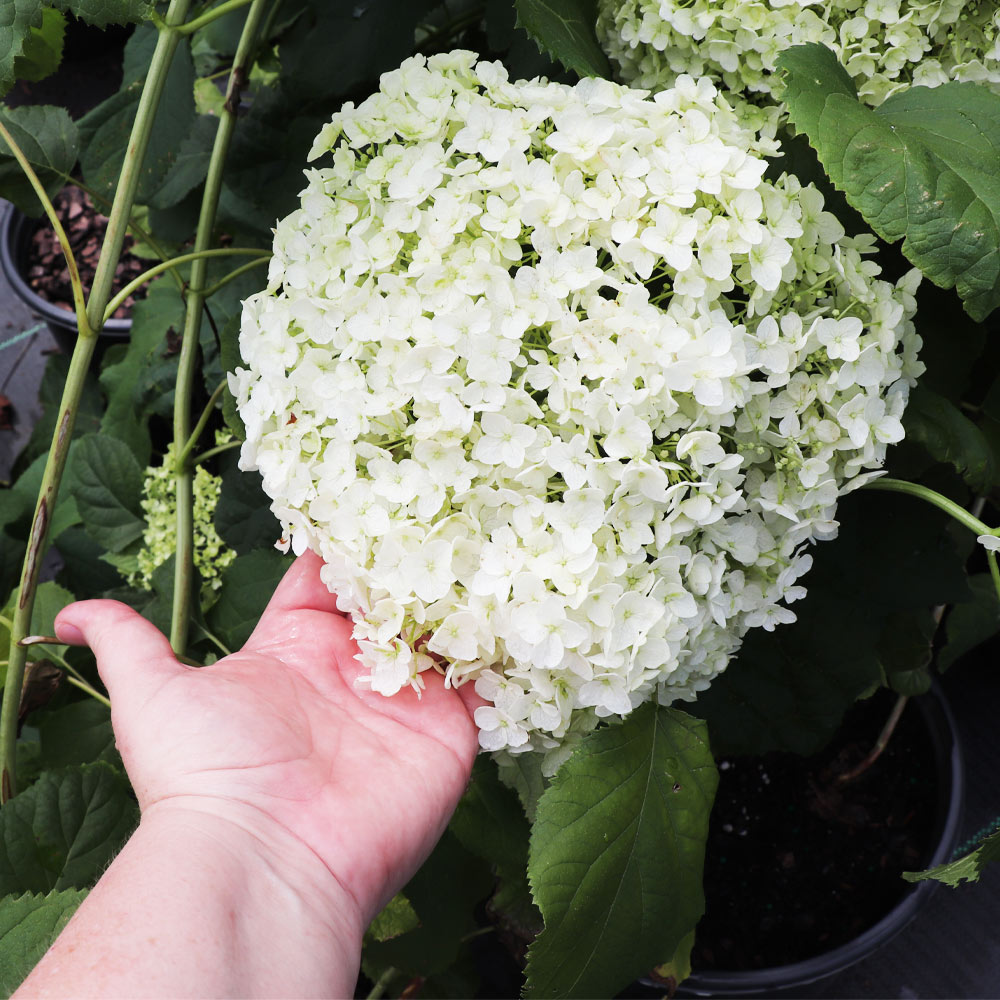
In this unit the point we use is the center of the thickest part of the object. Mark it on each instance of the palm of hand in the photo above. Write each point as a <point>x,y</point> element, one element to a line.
<point>367,783</point>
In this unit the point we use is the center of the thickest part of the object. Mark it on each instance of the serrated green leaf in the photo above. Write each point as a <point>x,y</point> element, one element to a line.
<point>43,50</point>
<point>905,649</point>
<point>17,18</point>
<point>63,831</point>
<point>788,689</point>
<point>247,585</point>
<point>522,772</point>
<point>617,852</point>
<point>191,165</point>
<point>972,623</point>
<point>566,30</point>
<point>243,515</point>
<point>396,917</point>
<point>29,923</point>
<point>78,733</point>
<point>105,131</point>
<point>48,138</point>
<point>109,491</point>
<point>443,894</point>
<point>101,13</point>
<point>920,168</point>
<point>950,436</point>
<point>143,380</point>
<point>965,869</point>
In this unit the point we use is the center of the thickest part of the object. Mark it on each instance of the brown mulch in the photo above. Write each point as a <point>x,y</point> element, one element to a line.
<point>85,228</point>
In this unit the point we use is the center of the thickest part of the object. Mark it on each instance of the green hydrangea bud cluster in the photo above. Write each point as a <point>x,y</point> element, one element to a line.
<point>159,540</point>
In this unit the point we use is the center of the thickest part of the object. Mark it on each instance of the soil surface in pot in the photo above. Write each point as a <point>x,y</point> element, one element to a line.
<point>48,275</point>
<point>797,864</point>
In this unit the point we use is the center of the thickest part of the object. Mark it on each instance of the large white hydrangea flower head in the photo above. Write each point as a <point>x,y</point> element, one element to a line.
<point>884,44</point>
<point>561,388</point>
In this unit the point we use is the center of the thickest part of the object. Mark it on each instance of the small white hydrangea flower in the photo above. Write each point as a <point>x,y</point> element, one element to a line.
<point>159,539</point>
<point>561,388</point>
<point>884,44</point>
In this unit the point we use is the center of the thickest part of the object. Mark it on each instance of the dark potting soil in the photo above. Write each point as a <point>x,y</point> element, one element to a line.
<point>85,227</point>
<point>797,864</point>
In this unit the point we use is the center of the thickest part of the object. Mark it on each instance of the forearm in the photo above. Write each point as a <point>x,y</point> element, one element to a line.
<point>199,906</point>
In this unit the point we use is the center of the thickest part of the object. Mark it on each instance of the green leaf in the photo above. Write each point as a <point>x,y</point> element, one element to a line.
<point>617,853</point>
<point>443,894</point>
<point>47,137</point>
<point>566,30</point>
<point>105,131</point>
<point>965,869</point>
<point>243,515</point>
<point>138,384</point>
<point>972,623</point>
<point>920,168</point>
<point>109,491</point>
<point>17,18</point>
<point>191,165</point>
<point>396,917</point>
<point>950,436</point>
<point>788,689</point>
<point>101,13</point>
<point>64,830</point>
<point>905,649</point>
<point>78,733</point>
<point>229,355</point>
<point>29,923</point>
<point>247,585</point>
<point>43,50</point>
<point>523,773</point>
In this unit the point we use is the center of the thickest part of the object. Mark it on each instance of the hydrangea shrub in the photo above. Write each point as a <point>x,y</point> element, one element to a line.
<point>884,44</point>
<point>561,388</point>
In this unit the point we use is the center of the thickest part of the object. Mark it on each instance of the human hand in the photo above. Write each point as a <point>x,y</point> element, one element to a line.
<point>280,740</point>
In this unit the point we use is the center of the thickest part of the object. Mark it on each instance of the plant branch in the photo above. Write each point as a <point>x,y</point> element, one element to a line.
<point>212,15</point>
<point>880,744</point>
<point>187,363</point>
<point>200,426</point>
<point>174,262</point>
<point>222,282</point>
<point>958,512</point>
<point>217,450</point>
<point>50,212</point>
<point>73,389</point>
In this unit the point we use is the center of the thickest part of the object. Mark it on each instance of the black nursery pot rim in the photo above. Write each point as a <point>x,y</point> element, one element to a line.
<point>951,796</point>
<point>16,230</point>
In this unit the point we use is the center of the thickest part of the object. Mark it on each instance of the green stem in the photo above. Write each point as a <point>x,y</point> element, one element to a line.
<point>212,289</point>
<point>50,212</point>
<point>217,450</point>
<point>84,686</point>
<point>73,389</point>
<point>991,559</point>
<point>382,983</point>
<point>166,265</point>
<point>958,512</point>
<point>187,363</point>
<point>200,426</point>
<point>213,15</point>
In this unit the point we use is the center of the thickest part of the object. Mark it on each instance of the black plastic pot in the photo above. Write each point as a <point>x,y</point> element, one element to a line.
<point>16,230</point>
<point>943,738</point>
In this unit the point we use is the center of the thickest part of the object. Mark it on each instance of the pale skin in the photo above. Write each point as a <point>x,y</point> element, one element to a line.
<point>282,806</point>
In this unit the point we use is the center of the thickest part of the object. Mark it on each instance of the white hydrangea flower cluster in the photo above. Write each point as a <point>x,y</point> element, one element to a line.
<point>159,540</point>
<point>560,388</point>
<point>884,44</point>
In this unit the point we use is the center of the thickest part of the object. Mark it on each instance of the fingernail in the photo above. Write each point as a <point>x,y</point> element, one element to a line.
<point>70,634</point>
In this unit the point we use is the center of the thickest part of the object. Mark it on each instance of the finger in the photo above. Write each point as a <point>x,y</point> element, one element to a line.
<point>301,589</point>
<point>132,654</point>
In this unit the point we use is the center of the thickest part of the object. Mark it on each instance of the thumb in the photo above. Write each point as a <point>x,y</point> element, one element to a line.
<point>133,655</point>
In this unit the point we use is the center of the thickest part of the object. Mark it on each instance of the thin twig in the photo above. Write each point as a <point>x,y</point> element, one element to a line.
<point>880,744</point>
